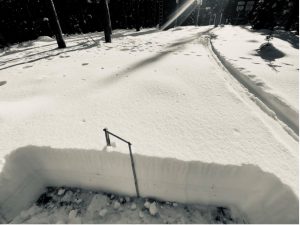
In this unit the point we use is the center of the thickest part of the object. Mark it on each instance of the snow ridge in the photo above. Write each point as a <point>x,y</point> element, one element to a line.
<point>261,196</point>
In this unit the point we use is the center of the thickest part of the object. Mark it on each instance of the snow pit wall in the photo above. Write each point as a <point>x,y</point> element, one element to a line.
<point>261,196</point>
<point>283,111</point>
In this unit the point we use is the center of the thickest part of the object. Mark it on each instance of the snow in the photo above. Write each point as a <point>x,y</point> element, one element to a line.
<point>153,209</point>
<point>271,71</point>
<point>197,136</point>
<point>53,210</point>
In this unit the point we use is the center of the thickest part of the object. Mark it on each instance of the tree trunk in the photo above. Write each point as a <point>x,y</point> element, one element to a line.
<point>107,22</point>
<point>58,33</point>
<point>137,16</point>
<point>197,17</point>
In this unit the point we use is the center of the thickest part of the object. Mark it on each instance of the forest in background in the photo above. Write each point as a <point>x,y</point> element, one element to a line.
<point>28,19</point>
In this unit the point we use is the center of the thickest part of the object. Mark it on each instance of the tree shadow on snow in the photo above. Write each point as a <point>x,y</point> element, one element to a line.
<point>78,47</point>
<point>168,49</point>
<point>269,53</point>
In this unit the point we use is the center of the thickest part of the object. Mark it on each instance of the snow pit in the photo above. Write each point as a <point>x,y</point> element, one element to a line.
<point>260,197</point>
<point>95,207</point>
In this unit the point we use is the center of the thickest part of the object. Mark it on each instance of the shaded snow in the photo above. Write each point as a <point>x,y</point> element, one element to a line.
<point>260,196</point>
<point>100,208</point>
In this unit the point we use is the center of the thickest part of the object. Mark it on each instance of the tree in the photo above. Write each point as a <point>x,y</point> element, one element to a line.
<point>107,22</point>
<point>276,13</point>
<point>58,33</point>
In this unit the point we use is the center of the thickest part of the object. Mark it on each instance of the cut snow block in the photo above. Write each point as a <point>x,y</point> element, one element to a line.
<point>260,196</point>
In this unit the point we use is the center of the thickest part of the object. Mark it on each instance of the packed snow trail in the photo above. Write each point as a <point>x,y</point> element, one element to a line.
<point>271,72</point>
<point>162,91</point>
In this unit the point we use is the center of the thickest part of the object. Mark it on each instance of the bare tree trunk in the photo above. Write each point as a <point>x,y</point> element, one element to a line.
<point>197,18</point>
<point>58,33</point>
<point>107,22</point>
<point>137,16</point>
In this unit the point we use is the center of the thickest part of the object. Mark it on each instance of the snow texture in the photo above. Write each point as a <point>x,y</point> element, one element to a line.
<point>50,208</point>
<point>30,169</point>
<point>270,71</point>
<point>197,135</point>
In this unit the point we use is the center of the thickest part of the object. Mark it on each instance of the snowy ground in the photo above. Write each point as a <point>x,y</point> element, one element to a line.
<point>273,69</point>
<point>162,91</point>
<point>69,205</point>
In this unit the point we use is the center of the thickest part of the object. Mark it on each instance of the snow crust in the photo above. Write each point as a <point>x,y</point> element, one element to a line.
<point>167,95</point>
<point>271,72</point>
<point>30,169</point>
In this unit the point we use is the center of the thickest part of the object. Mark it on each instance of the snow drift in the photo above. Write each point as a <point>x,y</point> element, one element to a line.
<point>261,196</point>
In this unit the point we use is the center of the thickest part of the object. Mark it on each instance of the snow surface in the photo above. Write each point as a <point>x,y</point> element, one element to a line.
<point>197,135</point>
<point>271,70</point>
<point>95,207</point>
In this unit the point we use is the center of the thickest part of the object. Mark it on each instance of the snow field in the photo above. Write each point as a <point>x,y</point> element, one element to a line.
<point>197,138</point>
<point>271,73</point>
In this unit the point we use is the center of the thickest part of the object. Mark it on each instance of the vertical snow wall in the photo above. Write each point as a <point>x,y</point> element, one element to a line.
<point>261,196</point>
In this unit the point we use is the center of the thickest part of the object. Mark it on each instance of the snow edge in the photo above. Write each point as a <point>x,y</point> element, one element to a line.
<point>261,196</point>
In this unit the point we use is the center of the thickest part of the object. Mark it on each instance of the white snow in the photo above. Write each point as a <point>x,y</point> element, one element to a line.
<point>270,71</point>
<point>153,209</point>
<point>197,136</point>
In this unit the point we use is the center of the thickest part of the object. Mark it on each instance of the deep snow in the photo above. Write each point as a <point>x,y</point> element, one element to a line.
<point>164,92</point>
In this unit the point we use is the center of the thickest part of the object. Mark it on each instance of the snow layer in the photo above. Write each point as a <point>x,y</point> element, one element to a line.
<point>164,92</point>
<point>271,72</point>
<point>30,169</point>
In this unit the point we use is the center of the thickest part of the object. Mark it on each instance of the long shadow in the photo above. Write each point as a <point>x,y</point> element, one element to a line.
<point>38,53</point>
<point>170,48</point>
<point>85,38</point>
<point>51,55</point>
<point>26,56</point>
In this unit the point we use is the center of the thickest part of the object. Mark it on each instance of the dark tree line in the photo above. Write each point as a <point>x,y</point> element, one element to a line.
<point>276,13</point>
<point>27,19</point>
<point>22,20</point>
<point>265,14</point>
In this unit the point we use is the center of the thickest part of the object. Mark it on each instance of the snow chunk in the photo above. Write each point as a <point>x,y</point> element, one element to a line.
<point>73,218</point>
<point>103,212</point>
<point>133,206</point>
<point>153,209</point>
<point>147,205</point>
<point>67,197</point>
<point>117,205</point>
<point>99,201</point>
<point>141,214</point>
<point>61,191</point>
